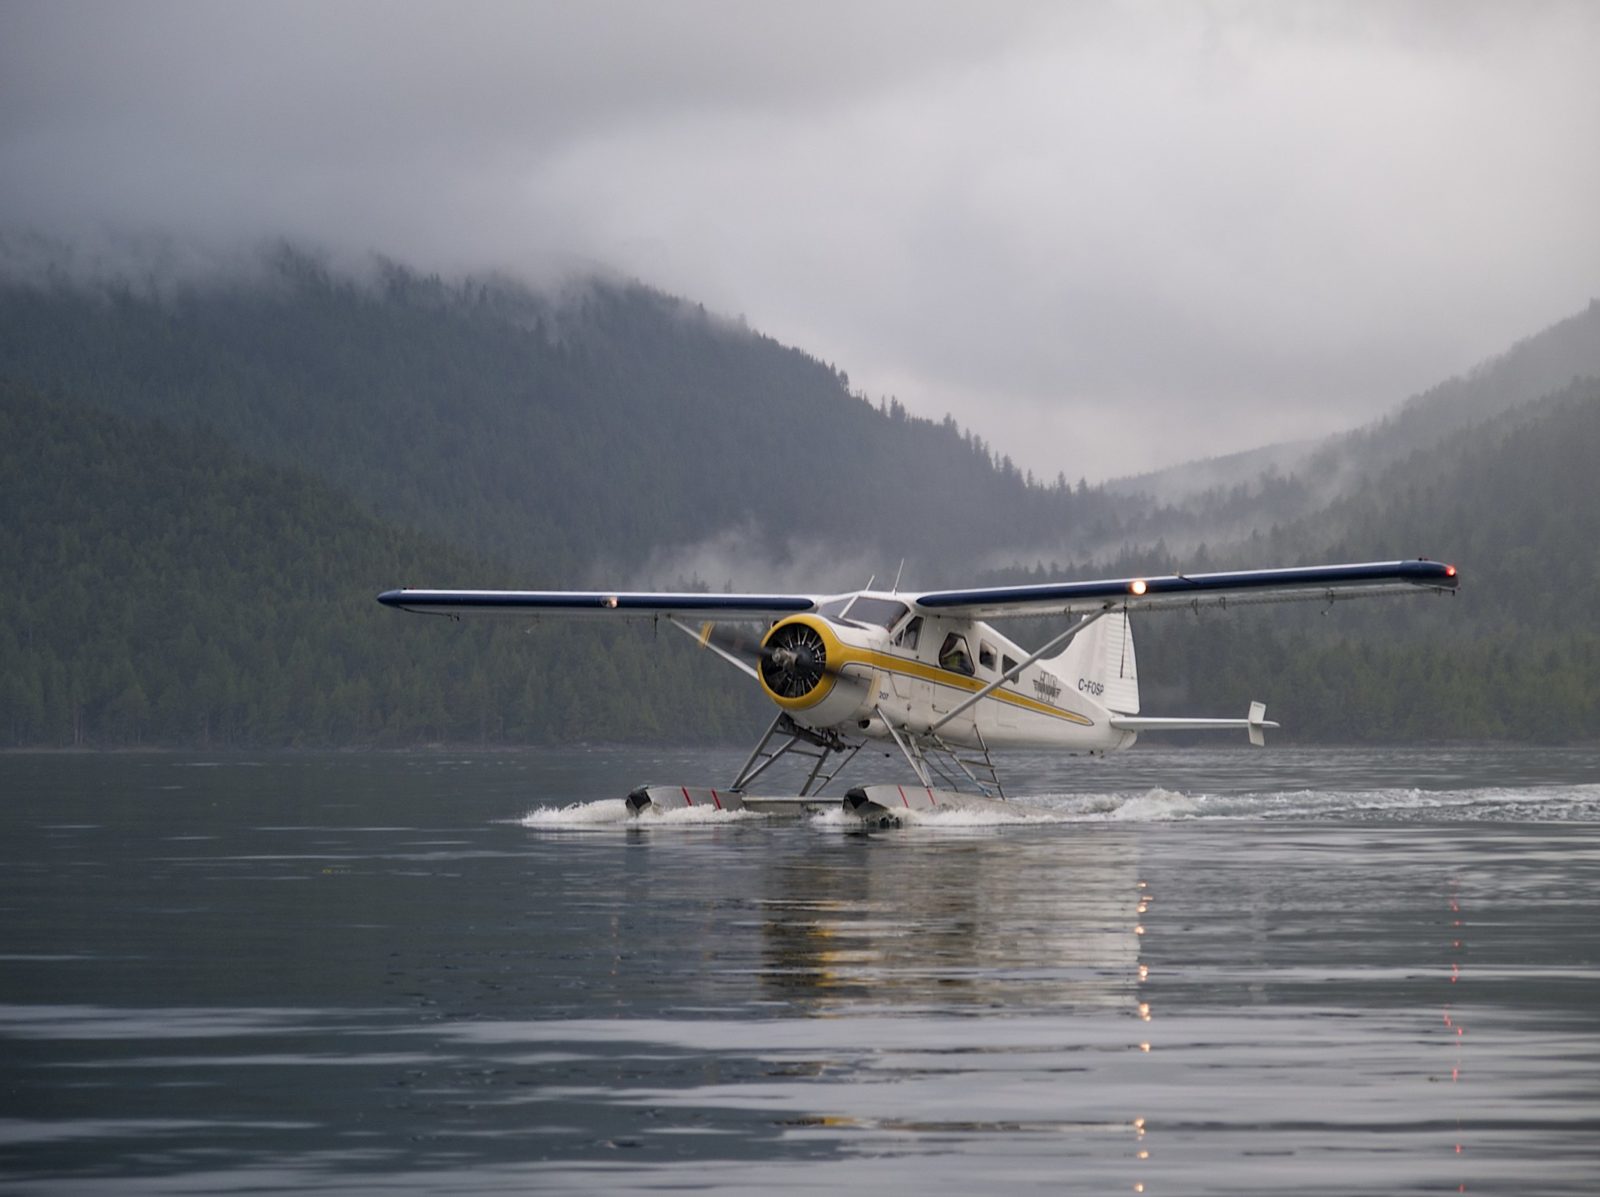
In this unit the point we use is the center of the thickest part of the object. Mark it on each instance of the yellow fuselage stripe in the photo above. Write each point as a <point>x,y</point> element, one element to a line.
<point>958,681</point>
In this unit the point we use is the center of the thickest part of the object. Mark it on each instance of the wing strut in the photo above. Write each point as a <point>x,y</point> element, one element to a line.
<point>703,638</point>
<point>914,759</point>
<point>821,745</point>
<point>920,751</point>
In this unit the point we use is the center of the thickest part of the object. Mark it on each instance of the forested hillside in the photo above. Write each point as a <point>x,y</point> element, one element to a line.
<point>161,588</point>
<point>204,484</point>
<point>563,435</point>
<point>1515,655</point>
<point>1232,497</point>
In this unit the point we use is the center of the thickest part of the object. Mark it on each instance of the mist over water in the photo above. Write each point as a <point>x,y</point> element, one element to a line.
<point>1191,971</point>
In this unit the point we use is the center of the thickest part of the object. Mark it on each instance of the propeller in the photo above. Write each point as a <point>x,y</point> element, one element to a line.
<point>792,659</point>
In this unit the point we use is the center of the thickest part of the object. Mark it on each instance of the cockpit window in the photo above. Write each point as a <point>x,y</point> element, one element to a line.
<point>835,609</point>
<point>953,655</point>
<point>885,613</point>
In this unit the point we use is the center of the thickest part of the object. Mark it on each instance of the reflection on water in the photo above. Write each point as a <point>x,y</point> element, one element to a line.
<point>958,922</point>
<point>362,974</point>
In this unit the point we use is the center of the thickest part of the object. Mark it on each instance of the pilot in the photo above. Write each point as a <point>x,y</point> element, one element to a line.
<point>953,655</point>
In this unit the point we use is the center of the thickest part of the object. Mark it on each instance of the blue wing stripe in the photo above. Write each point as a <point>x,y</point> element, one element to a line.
<point>1421,573</point>
<point>573,602</point>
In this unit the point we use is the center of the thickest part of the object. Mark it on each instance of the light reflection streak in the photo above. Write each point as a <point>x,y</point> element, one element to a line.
<point>1451,1021</point>
<point>1143,1153</point>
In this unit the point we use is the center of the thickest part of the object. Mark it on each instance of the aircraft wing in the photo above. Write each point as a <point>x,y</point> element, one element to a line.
<point>1194,591</point>
<point>614,604</point>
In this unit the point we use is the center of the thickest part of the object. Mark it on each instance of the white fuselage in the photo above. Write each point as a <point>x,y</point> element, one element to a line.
<point>921,668</point>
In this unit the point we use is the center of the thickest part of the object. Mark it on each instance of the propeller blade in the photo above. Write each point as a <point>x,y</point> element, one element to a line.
<point>734,639</point>
<point>791,659</point>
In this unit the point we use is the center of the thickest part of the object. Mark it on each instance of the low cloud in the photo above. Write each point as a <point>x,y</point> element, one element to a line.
<point>1108,237</point>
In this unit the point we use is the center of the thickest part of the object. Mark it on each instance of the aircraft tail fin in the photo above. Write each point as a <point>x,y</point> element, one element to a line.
<point>1100,664</point>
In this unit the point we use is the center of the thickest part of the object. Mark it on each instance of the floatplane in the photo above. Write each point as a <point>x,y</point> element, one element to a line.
<point>931,674</point>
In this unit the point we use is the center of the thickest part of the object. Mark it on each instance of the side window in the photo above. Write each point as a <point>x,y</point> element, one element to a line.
<point>953,655</point>
<point>1008,664</point>
<point>910,634</point>
<point>985,655</point>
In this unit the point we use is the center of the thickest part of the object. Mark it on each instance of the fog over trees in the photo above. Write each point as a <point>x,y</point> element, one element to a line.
<point>207,477</point>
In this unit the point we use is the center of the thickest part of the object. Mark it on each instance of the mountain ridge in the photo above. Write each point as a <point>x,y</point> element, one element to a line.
<point>340,398</point>
<point>388,391</point>
<point>1258,487</point>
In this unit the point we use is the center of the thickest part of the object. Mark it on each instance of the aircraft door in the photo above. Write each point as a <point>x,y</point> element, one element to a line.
<point>913,691</point>
<point>1010,713</point>
<point>1005,714</point>
<point>905,645</point>
<point>955,657</point>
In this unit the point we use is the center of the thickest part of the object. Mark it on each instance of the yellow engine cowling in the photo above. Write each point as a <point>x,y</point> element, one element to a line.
<point>817,677</point>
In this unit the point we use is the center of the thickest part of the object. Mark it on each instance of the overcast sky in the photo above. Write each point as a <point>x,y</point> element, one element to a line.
<point>1106,236</point>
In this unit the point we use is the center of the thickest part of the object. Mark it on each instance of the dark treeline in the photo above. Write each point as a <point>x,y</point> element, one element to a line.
<point>163,589</point>
<point>204,485</point>
<point>1515,501</point>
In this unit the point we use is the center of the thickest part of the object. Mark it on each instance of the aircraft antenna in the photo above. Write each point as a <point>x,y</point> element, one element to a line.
<point>870,581</point>
<point>895,589</point>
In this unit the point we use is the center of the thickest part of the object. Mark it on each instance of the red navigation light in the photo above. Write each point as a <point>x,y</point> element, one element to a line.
<point>1449,571</point>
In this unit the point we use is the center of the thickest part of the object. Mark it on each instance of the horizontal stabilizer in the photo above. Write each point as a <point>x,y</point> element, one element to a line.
<point>1254,723</point>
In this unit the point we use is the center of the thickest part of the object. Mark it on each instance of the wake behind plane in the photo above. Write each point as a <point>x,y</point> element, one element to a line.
<point>931,673</point>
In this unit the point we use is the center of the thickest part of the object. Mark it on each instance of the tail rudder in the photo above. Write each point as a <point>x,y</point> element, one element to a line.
<point>1100,664</point>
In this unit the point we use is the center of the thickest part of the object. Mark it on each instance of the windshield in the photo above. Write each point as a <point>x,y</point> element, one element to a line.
<point>885,613</point>
<point>834,609</point>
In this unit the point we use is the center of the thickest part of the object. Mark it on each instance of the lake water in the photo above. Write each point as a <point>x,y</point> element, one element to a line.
<point>1199,972</point>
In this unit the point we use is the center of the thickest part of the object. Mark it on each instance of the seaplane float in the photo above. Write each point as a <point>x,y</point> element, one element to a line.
<point>931,674</point>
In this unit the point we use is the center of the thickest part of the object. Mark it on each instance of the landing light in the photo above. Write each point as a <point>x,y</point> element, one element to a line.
<point>1137,586</point>
<point>610,601</point>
